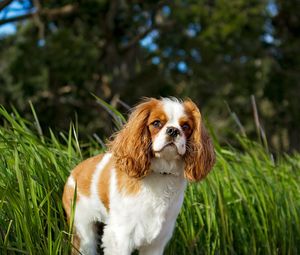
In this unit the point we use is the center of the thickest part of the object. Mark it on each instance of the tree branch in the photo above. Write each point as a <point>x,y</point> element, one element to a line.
<point>37,19</point>
<point>135,40</point>
<point>111,14</point>
<point>47,13</point>
<point>17,18</point>
<point>4,3</point>
<point>59,12</point>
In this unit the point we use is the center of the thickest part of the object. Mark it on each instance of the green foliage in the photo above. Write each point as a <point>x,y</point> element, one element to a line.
<point>32,172</point>
<point>211,51</point>
<point>249,204</point>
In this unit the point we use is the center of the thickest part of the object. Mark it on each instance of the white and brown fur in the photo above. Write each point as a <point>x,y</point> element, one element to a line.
<point>137,188</point>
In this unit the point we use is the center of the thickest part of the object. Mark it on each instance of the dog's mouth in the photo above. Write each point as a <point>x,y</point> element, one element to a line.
<point>170,144</point>
<point>169,174</point>
<point>168,151</point>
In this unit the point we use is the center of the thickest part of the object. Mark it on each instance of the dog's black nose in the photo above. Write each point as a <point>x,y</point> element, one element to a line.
<point>173,132</point>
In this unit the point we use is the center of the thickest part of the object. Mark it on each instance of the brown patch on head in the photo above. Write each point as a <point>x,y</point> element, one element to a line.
<point>104,184</point>
<point>131,147</point>
<point>83,174</point>
<point>156,121</point>
<point>187,124</point>
<point>127,184</point>
<point>200,155</point>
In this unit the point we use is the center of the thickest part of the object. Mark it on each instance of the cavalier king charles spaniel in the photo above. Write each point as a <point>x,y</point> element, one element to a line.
<point>137,187</point>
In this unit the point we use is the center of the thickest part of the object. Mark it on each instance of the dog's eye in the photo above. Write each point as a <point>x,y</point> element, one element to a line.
<point>156,123</point>
<point>185,127</point>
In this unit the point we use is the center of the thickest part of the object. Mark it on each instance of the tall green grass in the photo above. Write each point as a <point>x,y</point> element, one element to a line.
<point>249,204</point>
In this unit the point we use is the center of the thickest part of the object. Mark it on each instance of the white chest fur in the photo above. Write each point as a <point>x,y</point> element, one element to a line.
<point>151,214</point>
<point>163,196</point>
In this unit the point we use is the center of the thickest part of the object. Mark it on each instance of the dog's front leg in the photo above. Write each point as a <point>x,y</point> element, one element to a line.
<point>86,238</point>
<point>114,241</point>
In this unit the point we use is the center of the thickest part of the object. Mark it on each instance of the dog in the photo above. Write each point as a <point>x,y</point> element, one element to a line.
<point>137,187</point>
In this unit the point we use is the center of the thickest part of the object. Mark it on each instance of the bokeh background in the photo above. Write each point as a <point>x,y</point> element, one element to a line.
<point>238,59</point>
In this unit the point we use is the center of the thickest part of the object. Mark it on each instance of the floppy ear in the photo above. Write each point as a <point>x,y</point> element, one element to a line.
<point>131,147</point>
<point>200,154</point>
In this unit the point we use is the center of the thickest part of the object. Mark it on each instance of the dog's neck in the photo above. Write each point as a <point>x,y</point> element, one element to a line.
<point>167,167</point>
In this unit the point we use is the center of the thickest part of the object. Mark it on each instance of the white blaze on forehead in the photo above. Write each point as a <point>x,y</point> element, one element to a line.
<point>174,111</point>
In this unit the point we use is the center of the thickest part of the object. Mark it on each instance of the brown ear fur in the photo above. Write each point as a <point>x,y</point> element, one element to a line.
<point>131,147</point>
<point>200,155</point>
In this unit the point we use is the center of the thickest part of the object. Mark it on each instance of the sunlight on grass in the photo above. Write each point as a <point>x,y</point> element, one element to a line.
<point>249,204</point>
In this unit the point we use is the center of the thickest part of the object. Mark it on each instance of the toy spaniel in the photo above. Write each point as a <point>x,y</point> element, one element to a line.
<point>136,188</point>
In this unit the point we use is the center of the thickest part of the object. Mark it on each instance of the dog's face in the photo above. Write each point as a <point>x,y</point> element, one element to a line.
<point>170,126</point>
<point>165,128</point>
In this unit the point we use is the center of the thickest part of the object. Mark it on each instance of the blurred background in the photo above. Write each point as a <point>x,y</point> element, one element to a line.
<point>239,60</point>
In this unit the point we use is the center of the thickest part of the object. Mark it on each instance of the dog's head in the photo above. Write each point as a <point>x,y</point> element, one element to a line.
<point>165,128</point>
